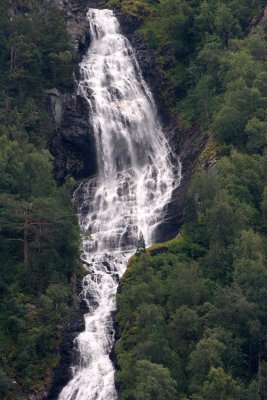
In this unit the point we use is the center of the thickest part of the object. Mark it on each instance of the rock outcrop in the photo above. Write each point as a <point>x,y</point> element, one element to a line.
<point>73,144</point>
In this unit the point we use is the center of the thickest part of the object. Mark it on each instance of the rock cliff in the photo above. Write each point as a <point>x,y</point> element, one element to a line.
<point>73,144</point>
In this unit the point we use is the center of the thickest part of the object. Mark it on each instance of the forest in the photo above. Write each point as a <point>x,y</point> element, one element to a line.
<point>192,317</point>
<point>191,320</point>
<point>39,239</point>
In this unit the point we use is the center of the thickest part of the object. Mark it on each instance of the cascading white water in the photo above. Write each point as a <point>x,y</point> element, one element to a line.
<point>135,183</point>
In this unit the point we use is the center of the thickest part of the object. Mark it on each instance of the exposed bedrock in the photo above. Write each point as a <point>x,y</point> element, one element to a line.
<point>73,144</point>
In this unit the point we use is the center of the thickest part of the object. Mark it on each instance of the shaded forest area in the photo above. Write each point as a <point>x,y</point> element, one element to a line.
<point>39,237</point>
<point>191,317</point>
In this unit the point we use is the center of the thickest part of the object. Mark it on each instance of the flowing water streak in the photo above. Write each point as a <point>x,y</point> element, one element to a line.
<point>135,183</point>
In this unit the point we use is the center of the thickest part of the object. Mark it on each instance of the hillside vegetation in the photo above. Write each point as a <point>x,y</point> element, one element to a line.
<point>192,312</point>
<point>39,238</point>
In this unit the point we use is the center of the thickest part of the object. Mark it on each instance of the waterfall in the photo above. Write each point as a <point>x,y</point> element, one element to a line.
<point>136,179</point>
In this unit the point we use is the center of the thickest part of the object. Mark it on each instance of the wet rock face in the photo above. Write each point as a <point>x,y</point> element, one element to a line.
<point>73,144</point>
<point>188,145</point>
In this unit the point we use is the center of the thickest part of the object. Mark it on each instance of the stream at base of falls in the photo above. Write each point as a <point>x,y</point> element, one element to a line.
<point>137,176</point>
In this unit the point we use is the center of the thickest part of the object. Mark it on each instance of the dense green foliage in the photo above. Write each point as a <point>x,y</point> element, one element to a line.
<point>195,307</point>
<point>192,311</point>
<point>38,227</point>
<point>198,44</point>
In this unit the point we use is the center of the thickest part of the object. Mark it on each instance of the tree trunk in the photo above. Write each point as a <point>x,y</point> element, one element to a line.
<point>26,254</point>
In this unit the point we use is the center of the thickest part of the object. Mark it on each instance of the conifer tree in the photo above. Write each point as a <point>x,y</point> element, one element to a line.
<point>141,244</point>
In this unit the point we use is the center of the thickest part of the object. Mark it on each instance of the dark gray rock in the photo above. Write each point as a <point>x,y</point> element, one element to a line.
<point>73,144</point>
<point>188,146</point>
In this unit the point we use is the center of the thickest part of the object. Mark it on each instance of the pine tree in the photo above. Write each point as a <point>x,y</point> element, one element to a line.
<point>141,244</point>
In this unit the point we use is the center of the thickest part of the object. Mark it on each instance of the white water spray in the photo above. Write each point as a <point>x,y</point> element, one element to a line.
<point>135,183</point>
